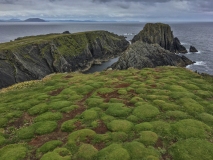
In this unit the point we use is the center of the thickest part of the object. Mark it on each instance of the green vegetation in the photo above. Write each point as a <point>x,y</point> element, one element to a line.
<point>149,114</point>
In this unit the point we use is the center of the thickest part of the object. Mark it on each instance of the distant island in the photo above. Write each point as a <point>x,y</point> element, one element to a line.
<point>34,20</point>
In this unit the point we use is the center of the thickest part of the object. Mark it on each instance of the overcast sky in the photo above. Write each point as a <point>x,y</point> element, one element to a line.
<point>122,10</point>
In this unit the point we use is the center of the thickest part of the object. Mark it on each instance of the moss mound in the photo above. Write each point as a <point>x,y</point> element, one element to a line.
<point>148,114</point>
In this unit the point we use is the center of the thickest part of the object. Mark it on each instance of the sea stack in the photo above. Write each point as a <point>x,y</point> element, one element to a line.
<point>192,49</point>
<point>161,34</point>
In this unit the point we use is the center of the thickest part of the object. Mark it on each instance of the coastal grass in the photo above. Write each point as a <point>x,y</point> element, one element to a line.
<point>159,113</point>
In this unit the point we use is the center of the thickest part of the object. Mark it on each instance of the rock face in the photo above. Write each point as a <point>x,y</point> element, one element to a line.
<point>31,58</point>
<point>161,34</point>
<point>178,48</point>
<point>192,49</point>
<point>142,55</point>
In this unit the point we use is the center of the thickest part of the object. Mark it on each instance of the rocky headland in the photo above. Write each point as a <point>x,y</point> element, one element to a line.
<point>161,34</point>
<point>34,57</point>
<point>143,55</point>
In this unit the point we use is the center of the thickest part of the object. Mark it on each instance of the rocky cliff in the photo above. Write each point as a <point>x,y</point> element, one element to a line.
<point>161,34</point>
<point>142,55</point>
<point>34,57</point>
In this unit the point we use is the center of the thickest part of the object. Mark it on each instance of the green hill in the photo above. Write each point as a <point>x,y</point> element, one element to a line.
<point>150,114</point>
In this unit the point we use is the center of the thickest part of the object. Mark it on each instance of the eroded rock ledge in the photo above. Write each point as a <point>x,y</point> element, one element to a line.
<point>143,55</point>
<point>34,57</point>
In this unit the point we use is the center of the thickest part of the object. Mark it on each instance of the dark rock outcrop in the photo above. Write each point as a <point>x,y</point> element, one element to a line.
<point>31,58</point>
<point>161,34</point>
<point>142,55</point>
<point>192,49</point>
<point>177,47</point>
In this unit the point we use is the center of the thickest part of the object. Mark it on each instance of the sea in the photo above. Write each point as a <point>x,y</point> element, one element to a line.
<point>198,34</point>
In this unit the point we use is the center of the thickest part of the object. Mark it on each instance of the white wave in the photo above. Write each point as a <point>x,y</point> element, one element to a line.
<point>199,63</point>
<point>129,34</point>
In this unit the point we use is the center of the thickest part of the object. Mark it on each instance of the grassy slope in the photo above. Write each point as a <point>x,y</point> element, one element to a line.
<point>150,114</point>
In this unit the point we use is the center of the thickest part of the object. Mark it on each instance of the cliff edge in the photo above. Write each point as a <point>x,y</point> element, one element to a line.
<point>34,57</point>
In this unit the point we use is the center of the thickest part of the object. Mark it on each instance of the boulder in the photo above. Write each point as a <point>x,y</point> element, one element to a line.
<point>161,34</point>
<point>143,55</point>
<point>192,49</point>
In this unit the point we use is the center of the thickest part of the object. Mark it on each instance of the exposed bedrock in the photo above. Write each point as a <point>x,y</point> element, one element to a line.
<point>142,55</point>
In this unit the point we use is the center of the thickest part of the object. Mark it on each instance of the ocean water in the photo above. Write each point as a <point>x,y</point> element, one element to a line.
<point>199,35</point>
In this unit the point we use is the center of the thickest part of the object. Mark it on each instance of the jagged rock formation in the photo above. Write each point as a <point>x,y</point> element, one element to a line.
<point>142,55</point>
<point>192,49</point>
<point>161,34</point>
<point>178,48</point>
<point>34,57</point>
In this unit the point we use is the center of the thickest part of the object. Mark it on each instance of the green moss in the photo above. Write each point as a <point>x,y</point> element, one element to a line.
<point>90,114</point>
<point>145,111</point>
<point>59,104</point>
<point>54,156</point>
<point>120,126</point>
<point>122,92</point>
<point>49,146</point>
<point>94,102</point>
<point>113,152</point>
<point>207,118</point>
<point>48,116</point>
<point>107,118</point>
<point>119,136</point>
<point>3,122</point>
<point>38,109</point>
<point>84,89</point>
<point>87,152</point>
<point>195,149</point>
<point>136,99</point>
<point>105,90</point>
<point>145,126</point>
<point>13,152</point>
<point>161,128</point>
<point>80,135</point>
<point>69,125</point>
<point>133,118</point>
<point>176,115</point>
<point>45,127</point>
<point>165,106</point>
<point>115,100</point>
<point>139,151</point>
<point>69,109</point>
<point>118,110</point>
<point>148,137</point>
<point>191,106</point>
<point>2,140</point>
<point>190,128</point>
<point>26,132</point>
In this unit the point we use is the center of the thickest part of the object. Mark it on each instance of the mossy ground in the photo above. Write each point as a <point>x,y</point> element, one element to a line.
<point>162,113</point>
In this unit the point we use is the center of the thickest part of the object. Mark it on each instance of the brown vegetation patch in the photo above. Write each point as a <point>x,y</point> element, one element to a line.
<point>159,143</point>
<point>56,92</point>
<point>101,129</point>
<point>68,76</point>
<point>123,85</point>
<point>99,146</point>
<point>153,85</point>
<point>78,125</point>
<point>108,96</point>
<point>25,119</point>
<point>166,156</point>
